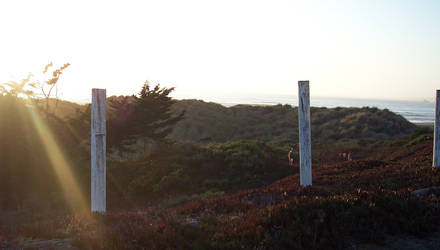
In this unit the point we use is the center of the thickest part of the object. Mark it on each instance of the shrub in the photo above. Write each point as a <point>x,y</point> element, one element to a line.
<point>175,180</point>
<point>240,155</point>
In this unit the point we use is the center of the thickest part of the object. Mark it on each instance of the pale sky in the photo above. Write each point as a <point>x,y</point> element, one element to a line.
<point>381,49</point>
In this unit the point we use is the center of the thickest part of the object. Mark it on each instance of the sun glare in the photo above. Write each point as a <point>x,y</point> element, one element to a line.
<point>60,165</point>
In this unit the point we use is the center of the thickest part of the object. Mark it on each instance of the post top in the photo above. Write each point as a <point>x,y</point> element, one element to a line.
<point>95,89</point>
<point>304,81</point>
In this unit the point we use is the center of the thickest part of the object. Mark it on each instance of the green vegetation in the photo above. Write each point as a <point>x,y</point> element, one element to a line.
<point>141,117</point>
<point>351,203</point>
<point>234,149</point>
<point>210,122</point>
<point>28,176</point>
<point>182,169</point>
<point>212,177</point>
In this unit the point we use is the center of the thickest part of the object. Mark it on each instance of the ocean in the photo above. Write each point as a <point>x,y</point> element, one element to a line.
<point>413,111</point>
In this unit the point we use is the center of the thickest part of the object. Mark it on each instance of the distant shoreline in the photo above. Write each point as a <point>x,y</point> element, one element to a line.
<point>424,124</point>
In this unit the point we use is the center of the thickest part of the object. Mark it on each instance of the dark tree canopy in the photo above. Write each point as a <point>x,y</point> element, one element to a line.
<point>146,115</point>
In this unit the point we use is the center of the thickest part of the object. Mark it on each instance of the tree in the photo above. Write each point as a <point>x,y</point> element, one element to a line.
<point>152,116</point>
<point>120,110</point>
<point>28,173</point>
<point>48,85</point>
<point>17,89</point>
<point>147,115</point>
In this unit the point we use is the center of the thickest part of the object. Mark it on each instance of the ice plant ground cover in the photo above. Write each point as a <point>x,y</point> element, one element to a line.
<point>351,202</point>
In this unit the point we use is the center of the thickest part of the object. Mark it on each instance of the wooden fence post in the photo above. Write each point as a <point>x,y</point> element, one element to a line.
<point>436,149</point>
<point>98,161</point>
<point>305,152</point>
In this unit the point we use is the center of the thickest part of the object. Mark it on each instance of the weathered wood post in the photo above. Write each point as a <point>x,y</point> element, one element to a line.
<point>436,149</point>
<point>305,151</point>
<point>98,151</point>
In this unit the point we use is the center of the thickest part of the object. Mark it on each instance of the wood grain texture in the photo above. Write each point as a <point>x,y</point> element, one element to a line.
<point>305,151</point>
<point>98,151</point>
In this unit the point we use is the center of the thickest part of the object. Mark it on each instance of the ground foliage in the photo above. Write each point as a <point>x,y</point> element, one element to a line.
<point>230,194</point>
<point>351,202</point>
<point>27,176</point>
<point>211,122</point>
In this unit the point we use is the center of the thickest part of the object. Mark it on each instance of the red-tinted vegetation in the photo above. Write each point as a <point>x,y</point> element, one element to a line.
<point>364,200</point>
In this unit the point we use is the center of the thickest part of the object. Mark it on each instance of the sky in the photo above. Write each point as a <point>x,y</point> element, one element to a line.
<point>369,49</point>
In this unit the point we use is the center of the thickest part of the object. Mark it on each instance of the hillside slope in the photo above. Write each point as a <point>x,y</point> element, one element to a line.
<point>351,204</point>
<point>62,108</point>
<point>211,122</point>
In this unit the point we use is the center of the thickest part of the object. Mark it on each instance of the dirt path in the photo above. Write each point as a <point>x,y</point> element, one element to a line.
<point>53,244</point>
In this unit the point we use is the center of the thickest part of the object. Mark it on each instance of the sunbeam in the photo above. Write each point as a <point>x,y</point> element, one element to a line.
<point>71,189</point>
